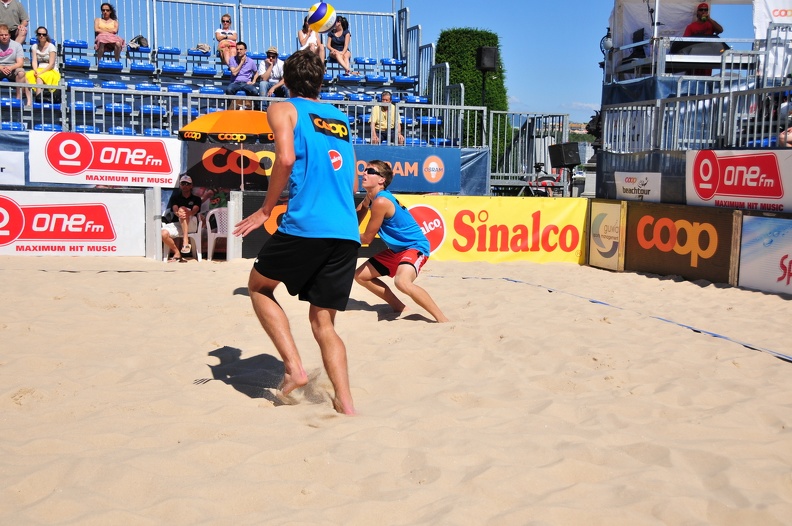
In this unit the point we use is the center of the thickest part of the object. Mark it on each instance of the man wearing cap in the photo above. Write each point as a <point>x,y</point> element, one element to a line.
<point>184,206</point>
<point>270,74</point>
<point>703,26</point>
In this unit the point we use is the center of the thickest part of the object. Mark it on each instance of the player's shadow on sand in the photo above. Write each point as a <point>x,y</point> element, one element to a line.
<point>252,376</point>
<point>384,312</point>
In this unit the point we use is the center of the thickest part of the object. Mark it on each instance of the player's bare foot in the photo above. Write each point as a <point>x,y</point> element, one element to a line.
<point>344,408</point>
<point>291,382</point>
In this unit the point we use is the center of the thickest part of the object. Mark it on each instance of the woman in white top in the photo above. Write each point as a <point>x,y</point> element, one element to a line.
<point>44,62</point>
<point>309,39</point>
<point>226,38</point>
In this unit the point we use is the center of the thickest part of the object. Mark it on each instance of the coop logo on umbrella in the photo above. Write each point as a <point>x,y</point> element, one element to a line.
<point>331,127</point>
<point>233,137</point>
<point>192,135</point>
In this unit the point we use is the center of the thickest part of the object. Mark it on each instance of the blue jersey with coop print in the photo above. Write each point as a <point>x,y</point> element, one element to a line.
<point>321,204</point>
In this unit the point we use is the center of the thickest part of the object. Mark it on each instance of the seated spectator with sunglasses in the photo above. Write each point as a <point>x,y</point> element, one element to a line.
<point>270,76</point>
<point>44,62</point>
<point>226,38</point>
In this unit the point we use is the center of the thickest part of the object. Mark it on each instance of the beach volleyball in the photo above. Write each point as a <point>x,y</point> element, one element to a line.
<point>321,17</point>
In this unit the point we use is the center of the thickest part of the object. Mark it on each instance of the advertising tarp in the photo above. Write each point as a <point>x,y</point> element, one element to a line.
<point>766,254</point>
<point>605,235</point>
<point>72,224</point>
<point>105,160</point>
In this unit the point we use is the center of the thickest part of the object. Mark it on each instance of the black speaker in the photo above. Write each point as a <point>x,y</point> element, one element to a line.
<point>487,58</point>
<point>567,154</point>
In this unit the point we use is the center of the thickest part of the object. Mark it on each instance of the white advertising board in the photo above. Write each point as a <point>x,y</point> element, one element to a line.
<point>72,224</point>
<point>106,160</point>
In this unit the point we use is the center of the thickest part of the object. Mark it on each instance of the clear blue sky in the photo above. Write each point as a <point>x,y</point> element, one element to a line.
<point>549,48</point>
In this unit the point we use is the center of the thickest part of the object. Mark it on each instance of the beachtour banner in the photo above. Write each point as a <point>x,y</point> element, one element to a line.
<point>747,180</point>
<point>104,160</point>
<point>72,223</point>
<point>766,254</point>
<point>499,229</point>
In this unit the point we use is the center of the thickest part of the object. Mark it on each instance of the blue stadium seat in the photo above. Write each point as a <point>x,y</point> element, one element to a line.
<point>358,140</point>
<point>185,110</point>
<point>415,99</point>
<point>204,71</point>
<point>343,78</point>
<point>430,121</point>
<point>118,108</point>
<point>80,83</point>
<point>153,109</point>
<point>331,96</point>
<point>402,81</point>
<point>114,84</point>
<point>71,43</point>
<point>48,127</point>
<point>84,106</point>
<point>257,55</point>
<point>156,132</point>
<point>179,88</point>
<point>146,86</point>
<point>438,141</point>
<point>142,67</point>
<point>360,97</point>
<point>12,126</point>
<point>413,141</point>
<point>46,106</point>
<point>84,128</point>
<point>121,130</point>
<point>76,63</point>
<point>109,65</point>
<point>376,79</point>
<point>10,102</point>
<point>212,90</point>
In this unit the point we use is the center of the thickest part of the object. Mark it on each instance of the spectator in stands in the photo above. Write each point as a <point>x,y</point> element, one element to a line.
<point>12,59</point>
<point>338,44</point>
<point>408,249</point>
<point>14,15</point>
<point>785,138</point>
<point>242,70</point>
<point>383,120</point>
<point>184,206</point>
<point>703,25</point>
<point>310,40</point>
<point>44,62</point>
<point>270,74</point>
<point>226,38</point>
<point>106,30</point>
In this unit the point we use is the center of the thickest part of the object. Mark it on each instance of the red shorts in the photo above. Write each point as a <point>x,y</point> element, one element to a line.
<point>387,261</point>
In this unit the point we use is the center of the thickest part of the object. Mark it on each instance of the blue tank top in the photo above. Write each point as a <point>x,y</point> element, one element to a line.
<point>400,231</point>
<point>321,203</point>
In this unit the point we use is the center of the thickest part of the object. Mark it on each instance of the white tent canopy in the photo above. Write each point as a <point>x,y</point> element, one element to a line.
<point>672,16</point>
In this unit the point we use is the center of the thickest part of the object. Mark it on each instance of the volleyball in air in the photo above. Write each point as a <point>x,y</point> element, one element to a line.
<point>321,17</point>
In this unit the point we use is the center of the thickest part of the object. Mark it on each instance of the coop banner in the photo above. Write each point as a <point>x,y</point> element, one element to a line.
<point>104,160</point>
<point>501,228</point>
<point>746,180</point>
<point>72,224</point>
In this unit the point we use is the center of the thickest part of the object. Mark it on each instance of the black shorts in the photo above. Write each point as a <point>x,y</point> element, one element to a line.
<point>319,271</point>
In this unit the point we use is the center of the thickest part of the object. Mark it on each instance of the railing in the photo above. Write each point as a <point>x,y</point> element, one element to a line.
<point>163,113</point>
<point>739,119</point>
<point>519,141</point>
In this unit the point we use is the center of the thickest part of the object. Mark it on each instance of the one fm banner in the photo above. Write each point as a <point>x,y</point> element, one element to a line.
<point>501,228</point>
<point>757,180</point>
<point>72,224</point>
<point>106,160</point>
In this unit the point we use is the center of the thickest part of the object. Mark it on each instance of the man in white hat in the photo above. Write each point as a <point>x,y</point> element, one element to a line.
<point>185,206</point>
<point>270,75</point>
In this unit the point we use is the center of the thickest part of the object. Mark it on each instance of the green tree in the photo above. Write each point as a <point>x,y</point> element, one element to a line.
<point>458,47</point>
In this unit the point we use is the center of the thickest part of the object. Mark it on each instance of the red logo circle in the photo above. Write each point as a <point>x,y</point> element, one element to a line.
<point>69,153</point>
<point>706,174</point>
<point>12,220</point>
<point>336,159</point>
<point>431,223</point>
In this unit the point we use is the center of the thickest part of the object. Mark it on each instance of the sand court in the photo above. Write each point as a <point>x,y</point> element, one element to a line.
<point>139,392</point>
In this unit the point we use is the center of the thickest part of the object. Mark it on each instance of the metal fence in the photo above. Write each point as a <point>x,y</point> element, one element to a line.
<point>740,119</point>
<point>519,142</point>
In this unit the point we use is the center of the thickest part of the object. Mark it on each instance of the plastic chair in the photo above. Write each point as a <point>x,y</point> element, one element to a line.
<point>221,216</point>
<point>194,235</point>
